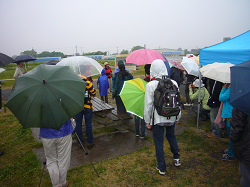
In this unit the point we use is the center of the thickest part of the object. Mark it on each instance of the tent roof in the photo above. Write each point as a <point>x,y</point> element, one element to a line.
<point>235,51</point>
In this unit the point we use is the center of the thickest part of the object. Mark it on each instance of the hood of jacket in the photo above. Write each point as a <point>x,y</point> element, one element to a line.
<point>103,71</point>
<point>158,69</point>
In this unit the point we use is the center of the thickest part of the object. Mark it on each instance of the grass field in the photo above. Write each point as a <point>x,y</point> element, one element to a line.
<point>201,166</point>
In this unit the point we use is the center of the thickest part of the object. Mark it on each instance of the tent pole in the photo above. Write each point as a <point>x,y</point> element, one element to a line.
<point>199,100</point>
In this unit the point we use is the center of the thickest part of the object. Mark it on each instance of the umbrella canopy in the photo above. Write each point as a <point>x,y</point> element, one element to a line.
<point>190,66</point>
<point>24,58</point>
<point>235,51</point>
<point>240,87</point>
<point>132,95</point>
<point>82,65</point>
<point>143,56</point>
<point>176,63</point>
<point>217,71</point>
<point>1,70</point>
<point>197,59</point>
<point>51,62</point>
<point>45,97</point>
<point>5,59</point>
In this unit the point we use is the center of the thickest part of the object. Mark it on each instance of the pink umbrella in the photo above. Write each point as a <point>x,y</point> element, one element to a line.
<point>143,56</point>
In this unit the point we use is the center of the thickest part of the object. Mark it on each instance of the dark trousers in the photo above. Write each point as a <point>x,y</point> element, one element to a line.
<point>88,113</point>
<point>245,174</point>
<point>158,135</point>
<point>119,104</point>
<point>106,99</point>
<point>187,92</point>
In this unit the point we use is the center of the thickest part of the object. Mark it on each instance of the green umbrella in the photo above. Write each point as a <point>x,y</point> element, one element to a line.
<point>47,96</point>
<point>132,95</point>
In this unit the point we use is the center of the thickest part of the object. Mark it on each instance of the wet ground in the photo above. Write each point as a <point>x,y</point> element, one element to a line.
<point>120,141</point>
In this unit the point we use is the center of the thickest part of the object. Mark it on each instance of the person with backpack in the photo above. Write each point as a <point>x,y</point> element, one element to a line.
<point>161,118</point>
<point>103,85</point>
<point>87,112</point>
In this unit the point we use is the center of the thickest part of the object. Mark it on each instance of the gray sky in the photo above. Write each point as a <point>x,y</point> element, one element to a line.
<point>61,25</point>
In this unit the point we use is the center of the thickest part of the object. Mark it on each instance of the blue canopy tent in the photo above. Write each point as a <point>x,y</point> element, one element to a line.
<point>235,51</point>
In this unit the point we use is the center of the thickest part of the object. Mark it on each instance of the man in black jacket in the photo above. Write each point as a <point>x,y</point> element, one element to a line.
<point>214,104</point>
<point>240,137</point>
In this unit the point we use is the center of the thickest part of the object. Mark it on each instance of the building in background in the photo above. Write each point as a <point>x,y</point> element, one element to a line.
<point>170,52</point>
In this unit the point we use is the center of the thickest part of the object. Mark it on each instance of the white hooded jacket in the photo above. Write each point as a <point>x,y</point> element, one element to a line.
<point>157,70</point>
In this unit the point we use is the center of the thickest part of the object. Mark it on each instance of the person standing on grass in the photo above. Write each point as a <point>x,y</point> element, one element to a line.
<point>160,123</point>
<point>19,70</point>
<point>118,81</point>
<point>87,113</point>
<point>109,75</point>
<point>226,116</point>
<point>57,147</point>
<point>240,137</point>
<point>103,85</point>
<point>138,120</point>
<point>214,104</point>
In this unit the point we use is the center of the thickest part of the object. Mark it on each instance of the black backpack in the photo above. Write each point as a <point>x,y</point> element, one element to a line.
<point>167,98</point>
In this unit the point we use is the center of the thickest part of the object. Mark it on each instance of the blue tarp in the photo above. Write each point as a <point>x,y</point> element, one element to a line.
<point>235,51</point>
<point>47,59</point>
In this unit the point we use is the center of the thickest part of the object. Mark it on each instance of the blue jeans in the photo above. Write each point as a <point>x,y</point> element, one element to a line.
<point>214,127</point>
<point>88,113</point>
<point>158,135</point>
<point>137,124</point>
<point>230,149</point>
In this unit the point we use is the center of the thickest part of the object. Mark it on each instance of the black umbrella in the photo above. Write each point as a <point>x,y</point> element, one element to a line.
<point>4,59</point>
<point>51,62</point>
<point>24,58</point>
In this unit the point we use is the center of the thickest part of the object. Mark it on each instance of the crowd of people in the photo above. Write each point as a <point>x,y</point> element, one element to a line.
<point>214,100</point>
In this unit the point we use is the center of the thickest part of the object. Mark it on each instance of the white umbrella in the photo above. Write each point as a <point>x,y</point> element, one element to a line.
<point>217,71</point>
<point>190,66</point>
<point>82,65</point>
<point>1,70</point>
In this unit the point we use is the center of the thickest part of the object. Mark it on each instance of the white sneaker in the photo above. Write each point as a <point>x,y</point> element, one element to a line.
<point>161,172</point>
<point>187,104</point>
<point>177,162</point>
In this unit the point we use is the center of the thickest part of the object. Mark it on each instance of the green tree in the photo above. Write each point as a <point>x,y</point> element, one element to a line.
<point>179,49</point>
<point>136,48</point>
<point>30,52</point>
<point>186,51</point>
<point>124,52</point>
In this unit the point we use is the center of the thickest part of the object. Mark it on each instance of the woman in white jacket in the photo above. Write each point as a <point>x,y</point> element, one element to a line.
<point>157,70</point>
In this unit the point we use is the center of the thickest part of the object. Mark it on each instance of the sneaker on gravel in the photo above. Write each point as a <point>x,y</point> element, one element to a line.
<point>227,157</point>
<point>187,104</point>
<point>142,137</point>
<point>177,162</point>
<point>161,172</point>
<point>137,135</point>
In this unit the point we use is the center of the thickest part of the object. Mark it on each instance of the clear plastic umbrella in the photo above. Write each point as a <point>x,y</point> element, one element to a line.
<point>82,65</point>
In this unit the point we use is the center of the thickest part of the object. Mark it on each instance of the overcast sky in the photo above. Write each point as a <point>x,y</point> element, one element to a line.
<point>111,25</point>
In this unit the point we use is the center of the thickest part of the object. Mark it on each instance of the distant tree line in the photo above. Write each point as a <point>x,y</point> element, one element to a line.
<point>60,54</point>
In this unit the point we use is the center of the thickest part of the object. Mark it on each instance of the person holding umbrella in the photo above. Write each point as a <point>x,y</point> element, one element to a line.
<point>118,81</point>
<point>87,112</point>
<point>19,70</point>
<point>57,147</point>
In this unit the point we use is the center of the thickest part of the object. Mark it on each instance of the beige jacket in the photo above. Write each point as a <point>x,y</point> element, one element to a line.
<point>19,72</point>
